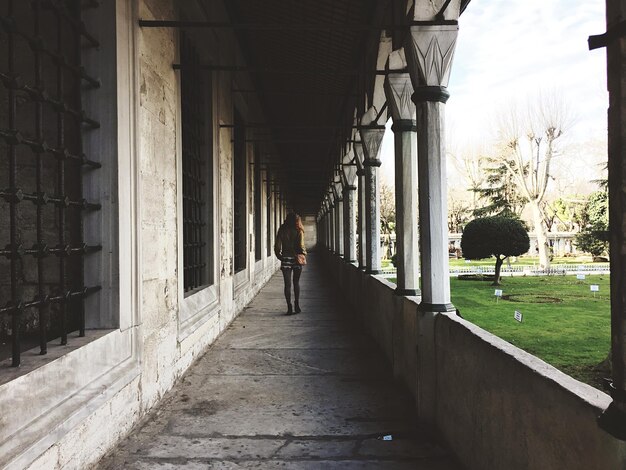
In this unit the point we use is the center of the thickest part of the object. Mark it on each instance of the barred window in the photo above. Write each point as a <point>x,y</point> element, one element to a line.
<point>197,167</point>
<point>268,212</point>
<point>240,178</point>
<point>42,165</point>
<point>257,205</point>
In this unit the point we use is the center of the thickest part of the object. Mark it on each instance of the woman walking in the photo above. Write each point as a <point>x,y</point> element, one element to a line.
<point>290,250</point>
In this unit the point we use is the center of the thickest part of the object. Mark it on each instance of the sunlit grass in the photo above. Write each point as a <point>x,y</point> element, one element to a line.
<point>570,329</point>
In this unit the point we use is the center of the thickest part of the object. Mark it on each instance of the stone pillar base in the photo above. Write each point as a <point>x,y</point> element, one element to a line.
<point>436,308</point>
<point>407,292</point>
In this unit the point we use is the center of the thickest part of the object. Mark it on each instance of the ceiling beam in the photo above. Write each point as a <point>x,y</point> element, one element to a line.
<point>286,71</point>
<point>296,27</point>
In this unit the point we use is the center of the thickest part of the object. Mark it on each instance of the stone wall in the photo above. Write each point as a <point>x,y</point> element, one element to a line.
<point>157,124</point>
<point>500,407</point>
<point>111,378</point>
<point>495,405</point>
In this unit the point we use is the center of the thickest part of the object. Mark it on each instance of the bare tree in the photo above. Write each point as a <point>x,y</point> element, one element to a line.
<point>469,163</point>
<point>529,139</point>
<point>387,216</point>
<point>458,212</point>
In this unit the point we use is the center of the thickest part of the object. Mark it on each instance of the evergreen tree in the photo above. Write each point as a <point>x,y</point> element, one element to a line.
<point>499,192</point>
<point>594,238</point>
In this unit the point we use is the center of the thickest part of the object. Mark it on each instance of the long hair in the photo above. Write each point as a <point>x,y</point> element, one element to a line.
<point>299,225</point>
<point>293,222</point>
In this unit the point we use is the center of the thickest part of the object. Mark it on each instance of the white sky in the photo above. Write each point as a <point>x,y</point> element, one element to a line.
<point>510,50</point>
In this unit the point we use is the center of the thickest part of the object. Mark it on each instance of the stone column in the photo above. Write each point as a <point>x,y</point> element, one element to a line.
<point>329,225</point>
<point>372,136</point>
<point>283,208</point>
<point>272,220</point>
<point>613,420</point>
<point>322,232</point>
<point>322,229</point>
<point>327,215</point>
<point>333,222</point>
<point>359,159</point>
<point>429,55</point>
<point>338,191</point>
<point>429,52</point>
<point>277,221</point>
<point>318,226</point>
<point>279,209</point>
<point>349,216</point>
<point>398,89</point>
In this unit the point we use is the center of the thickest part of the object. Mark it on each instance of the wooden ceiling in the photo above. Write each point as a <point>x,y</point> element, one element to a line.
<point>312,62</point>
<point>306,64</point>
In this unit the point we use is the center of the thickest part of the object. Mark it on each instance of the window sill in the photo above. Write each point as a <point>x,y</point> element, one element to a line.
<point>49,395</point>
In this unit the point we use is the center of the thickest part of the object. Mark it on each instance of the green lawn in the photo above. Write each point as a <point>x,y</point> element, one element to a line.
<point>570,329</point>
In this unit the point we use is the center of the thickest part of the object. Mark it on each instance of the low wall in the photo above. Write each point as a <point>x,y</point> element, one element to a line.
<point>495,405</point>
<point>390,319</point>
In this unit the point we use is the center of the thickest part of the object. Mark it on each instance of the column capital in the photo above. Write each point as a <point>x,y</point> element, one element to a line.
<point>372,138</point>
<point>331,198</point>
<point>398,88</point>
<point>337,193</point>
<point>338,189</point>
<point>349,169</point>
<point>374,163</point>
<point>358,154</point>
<point>404,125</point>
<point>429,53</point>
<point>425,94</point>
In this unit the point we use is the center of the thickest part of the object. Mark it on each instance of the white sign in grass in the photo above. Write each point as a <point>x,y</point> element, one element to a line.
<point>594,288</point>
<point>498,293</point>
<point>518,316</point>
<point>580,277</point>
<point>468,260</point>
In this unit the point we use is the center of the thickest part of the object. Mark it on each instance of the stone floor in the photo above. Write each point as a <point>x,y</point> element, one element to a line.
<point>289,392</point>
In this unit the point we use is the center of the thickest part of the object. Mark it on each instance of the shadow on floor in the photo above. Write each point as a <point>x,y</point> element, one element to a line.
<point>289,392</point>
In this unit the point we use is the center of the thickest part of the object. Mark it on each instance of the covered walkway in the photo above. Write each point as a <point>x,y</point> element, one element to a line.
<point>296,392</point>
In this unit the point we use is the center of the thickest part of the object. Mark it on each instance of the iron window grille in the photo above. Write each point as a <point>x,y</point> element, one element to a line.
<point>239,209</point>
<point>42,165</point>
<point>268,213</point>
<point>197,169</point>
<point>257,205</point>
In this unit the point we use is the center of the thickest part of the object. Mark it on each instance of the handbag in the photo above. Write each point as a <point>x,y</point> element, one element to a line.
<point>300,257</point>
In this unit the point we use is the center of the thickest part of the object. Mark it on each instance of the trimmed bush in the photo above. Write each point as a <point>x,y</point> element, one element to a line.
<point>494,236</point>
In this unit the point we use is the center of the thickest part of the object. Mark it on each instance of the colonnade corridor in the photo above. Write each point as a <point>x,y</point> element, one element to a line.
<point>293,392</point>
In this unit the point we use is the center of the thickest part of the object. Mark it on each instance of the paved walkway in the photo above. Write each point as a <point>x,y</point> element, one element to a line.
<point>289,392</point>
